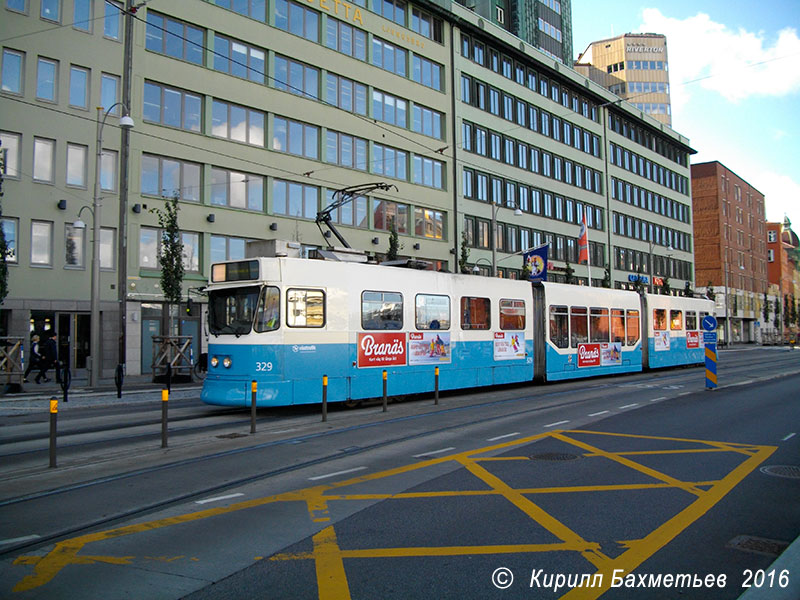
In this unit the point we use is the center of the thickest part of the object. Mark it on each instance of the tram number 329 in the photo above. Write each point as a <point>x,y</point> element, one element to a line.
<point>263,367</point>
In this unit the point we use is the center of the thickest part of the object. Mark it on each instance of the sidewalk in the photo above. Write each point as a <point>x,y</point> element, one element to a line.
<point>135,389</point>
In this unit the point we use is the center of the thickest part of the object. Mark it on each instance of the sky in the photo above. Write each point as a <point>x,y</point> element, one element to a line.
<point>734,71</point>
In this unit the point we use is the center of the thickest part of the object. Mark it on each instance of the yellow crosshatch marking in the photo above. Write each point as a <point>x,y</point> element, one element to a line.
<point>329,557</point>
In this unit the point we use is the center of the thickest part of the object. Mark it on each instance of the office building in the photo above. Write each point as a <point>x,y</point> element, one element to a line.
<point>633,66</point>
<point>255,114</point>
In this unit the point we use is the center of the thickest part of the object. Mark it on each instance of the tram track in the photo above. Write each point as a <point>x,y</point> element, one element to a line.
<point>562,397</point>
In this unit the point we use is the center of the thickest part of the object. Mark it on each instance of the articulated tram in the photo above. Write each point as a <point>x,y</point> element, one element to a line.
<point>287,322</point>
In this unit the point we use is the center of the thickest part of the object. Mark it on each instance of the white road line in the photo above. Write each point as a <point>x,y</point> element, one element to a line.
<point>556,423</point>
<point>282,431</point>
<point>434,452</point>
<point>658,399</point>
<point>685,393</point>
<point>26,538</point>
<point>500,437</point>
<point>318,477</point>
<point>597,414</point>
<point>788,437</point>
<point>629,405</point>
<point>218,498</point>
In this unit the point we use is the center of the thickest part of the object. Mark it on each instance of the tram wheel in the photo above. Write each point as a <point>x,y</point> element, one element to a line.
<point>350,403</point>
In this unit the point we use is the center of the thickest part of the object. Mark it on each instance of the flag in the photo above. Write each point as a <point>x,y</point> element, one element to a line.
<point>536,261</point>
<point>583,241</point>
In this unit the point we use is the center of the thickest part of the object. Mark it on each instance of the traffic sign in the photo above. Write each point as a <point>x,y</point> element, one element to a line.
<point>709,337</point>
<point>709,323</point>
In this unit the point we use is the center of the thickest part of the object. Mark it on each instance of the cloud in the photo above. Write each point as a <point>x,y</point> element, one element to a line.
<point>735,64</point>
<point>781,196</point>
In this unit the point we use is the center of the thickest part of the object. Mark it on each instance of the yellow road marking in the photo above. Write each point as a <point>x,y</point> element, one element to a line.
<point>331,578</point>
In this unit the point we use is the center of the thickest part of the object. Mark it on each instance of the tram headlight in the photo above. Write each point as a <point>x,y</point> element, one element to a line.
<point>226,362</point>
<point>214,361</point>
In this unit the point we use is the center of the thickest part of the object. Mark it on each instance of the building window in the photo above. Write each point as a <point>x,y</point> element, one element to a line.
<point>354,213</point>
<point>46,78</point>
<point>297,78</point>
<point>112,23</point>
<point>174,38</point>
<point>428,172</point>
<point>17,5</point>
<point>388,57</point>
<point>394,10</point>
<point>41,243</point>
<point>10,144</point>
<point>166,177</point>
<point>297,19</point>
<point>295,137</point>
<point>13,63</point>
<point>74,246</point>
<point>237,190</point>
<point>191,251</point>
<point>429,223</point>
<point>346,39</point>
<point>76,165</point>
<point>108,248</point>
<point>389,161</point>
<point>427,72</point>
<point>427,121</point>
<point>150,249</point>
<point>239,59</point>
<point>10,227</point>
<point>389,109</point>
<point>51,10</point>
<point>427,25</point>
<point>255,9</point>
<point>346,150</point>
<point>108,170</point>
<point>237,123</point>
<point>346,94</point>
<point>82,15</point>
<point>227,248</point>
<point>78,87</point>
<point>294,199</point>
<point>43,160</point>
<point>171,107</point>
<point>387,215</point>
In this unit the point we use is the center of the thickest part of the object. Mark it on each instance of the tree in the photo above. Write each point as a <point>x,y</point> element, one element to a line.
<point>606,283</point>
<point>786,311</point>
<point>665,287</point>
<point>766,308</point>
<point>777,321</point>
<point>464,259</point>
<point>170,258</point>
<point>569,273</point>
<point>394,243</point>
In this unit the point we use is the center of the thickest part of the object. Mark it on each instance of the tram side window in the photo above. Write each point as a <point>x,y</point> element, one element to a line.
<point>660,319</point>
<point>432,311</point>
<point>691,320</point>
<point>632,326</point>
<point>676,320</point>
<point>305,308</point>
<point>512,315</point>
<point>381,310</point>
<point>598,324</point>
<point>268,311</point>
<point>618,325</point>
<point>559,326</point>
<point>475,313</point>
<point>703,315</point>
<point>578,325</point>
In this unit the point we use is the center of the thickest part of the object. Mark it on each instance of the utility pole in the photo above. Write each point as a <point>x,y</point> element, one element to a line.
<point>124,170</point>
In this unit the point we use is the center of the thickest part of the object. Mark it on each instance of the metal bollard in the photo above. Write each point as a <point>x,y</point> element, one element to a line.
<point>324,398</point>
<point>385,400</point>
<point>119,376</point>
<point>253,390</point>
<point>164,403</point>
<point>53,428</point>
<point>169,377</point>
<point>436,387</point>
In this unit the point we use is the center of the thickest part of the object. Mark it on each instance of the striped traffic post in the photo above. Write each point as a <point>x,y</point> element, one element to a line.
<point>710,342</point>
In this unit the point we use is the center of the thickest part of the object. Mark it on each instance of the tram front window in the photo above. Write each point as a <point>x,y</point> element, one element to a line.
<point>231,311</point>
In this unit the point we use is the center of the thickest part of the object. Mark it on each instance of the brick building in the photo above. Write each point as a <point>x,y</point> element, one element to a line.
<point>782,269</point>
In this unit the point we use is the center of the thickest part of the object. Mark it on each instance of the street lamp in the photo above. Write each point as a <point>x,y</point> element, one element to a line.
<point>495,206</point>
<point>94,327</point>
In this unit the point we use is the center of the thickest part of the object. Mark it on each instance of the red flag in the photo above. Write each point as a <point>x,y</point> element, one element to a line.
<point>583,241</point>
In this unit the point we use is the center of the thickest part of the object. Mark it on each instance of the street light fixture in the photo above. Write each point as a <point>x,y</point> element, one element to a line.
<point>126,122</point>
<point>495,206</point>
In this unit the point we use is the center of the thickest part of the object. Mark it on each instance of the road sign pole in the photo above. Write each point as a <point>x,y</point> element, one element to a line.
<point>709,324</point>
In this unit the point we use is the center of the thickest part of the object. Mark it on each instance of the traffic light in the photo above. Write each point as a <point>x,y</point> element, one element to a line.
<point>189,306</point>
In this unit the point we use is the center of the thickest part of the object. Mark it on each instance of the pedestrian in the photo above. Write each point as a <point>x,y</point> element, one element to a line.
<point>49,357</point>
<point>35,359</point>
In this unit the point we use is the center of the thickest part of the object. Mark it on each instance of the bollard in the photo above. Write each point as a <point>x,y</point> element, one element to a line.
<point>53,428</point>
<point>385,400</point>
<point>436,386</point>
<point>253,390</point>
<point>169,377</point>
<point>119,376</point>
<point>324,398</point>
<point>164,403</point>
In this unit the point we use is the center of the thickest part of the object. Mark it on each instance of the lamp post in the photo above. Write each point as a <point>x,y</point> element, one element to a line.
<point>495,206</point>
<point>94,327</point>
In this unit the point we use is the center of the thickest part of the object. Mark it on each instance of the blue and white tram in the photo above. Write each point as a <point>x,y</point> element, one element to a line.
<point>286,322</point>
<point>583,331</point>
<point>674,330</point>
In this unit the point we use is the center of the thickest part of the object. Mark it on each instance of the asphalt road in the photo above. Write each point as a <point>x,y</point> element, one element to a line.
<point>648,475</point>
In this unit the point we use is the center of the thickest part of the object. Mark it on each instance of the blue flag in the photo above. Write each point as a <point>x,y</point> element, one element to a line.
<point>536,261</point>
